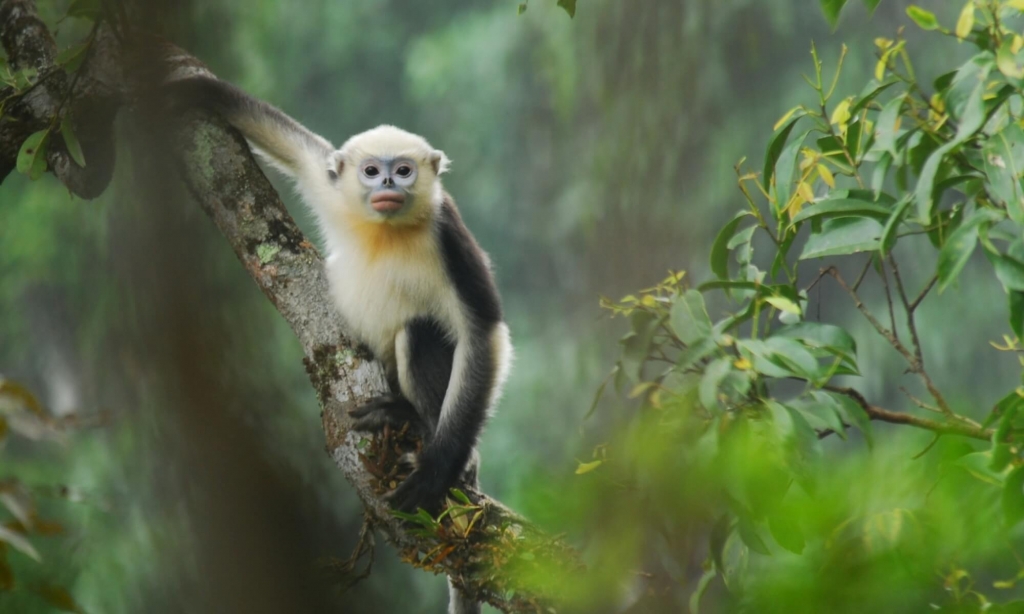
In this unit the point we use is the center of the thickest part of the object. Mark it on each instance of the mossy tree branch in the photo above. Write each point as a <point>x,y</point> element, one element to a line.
<point>480,550</point>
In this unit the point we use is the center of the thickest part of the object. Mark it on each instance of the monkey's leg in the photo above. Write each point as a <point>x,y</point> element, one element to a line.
<point>424,356</point>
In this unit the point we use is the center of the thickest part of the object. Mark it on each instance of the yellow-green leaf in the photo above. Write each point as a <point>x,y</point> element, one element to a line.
<point>841,115</point>
<point>1006,60</point>
<point>588,467</point>
<point>805,192</point>
<point>923,18</point>
<point>965,24</point>
<point>783,304</point>
<point>785,118</point>
<point>827,176</point>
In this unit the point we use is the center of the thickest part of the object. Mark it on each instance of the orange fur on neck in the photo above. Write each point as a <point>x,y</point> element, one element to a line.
<point>380,238</point>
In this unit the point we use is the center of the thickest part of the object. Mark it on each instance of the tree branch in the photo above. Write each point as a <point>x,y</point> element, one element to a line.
<point>98,95</point>
<point>486,551</point>
<point>953,427</point>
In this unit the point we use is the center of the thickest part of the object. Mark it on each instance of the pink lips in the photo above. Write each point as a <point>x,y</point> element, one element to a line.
<point>386,202</point>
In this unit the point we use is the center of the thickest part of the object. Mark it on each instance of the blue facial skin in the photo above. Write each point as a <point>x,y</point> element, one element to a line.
<point>388,184</point>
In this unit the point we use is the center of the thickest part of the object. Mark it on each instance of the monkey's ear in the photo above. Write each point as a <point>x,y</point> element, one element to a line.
<point>440,162</point>
<point>335,164</point>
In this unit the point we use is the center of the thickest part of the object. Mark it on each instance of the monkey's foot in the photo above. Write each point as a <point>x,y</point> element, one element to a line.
<point>419,490</point>
<point>388,410</point>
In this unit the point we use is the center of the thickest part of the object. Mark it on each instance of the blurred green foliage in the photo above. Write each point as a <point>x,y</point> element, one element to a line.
<point>736,401</point>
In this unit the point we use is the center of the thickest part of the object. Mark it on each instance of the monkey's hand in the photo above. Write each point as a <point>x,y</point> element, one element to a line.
<point>388,410</point>
<point>423,488</point>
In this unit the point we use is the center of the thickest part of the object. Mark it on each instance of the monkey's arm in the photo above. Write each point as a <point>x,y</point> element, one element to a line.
<point>478,363</point>
<point>478,368</point>
<point>284,142</point>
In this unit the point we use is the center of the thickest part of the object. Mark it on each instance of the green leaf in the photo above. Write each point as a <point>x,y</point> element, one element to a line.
<point>786,531</point>
<point>32,156</point>
<point>874,91</point>
<point>977,464</point>
<point>522,9</point>
<point>925,19</point>
<point>71,141</point>
<point>963,82</point>
<point>1006,60</point>
<point>775,147</point>
<point>892,225</point>
<point>713,376</point>
<point>1013,496</point>
<point>1016,300</point>
<point>788,237</point>
<point>637,343</point>
<point>784,304</point>
<point>569,6</point>
<point>841,236</point>
<point>831,9</point>
<point>780,357</point>
<point>833,149</point>
<point>588,467</point>
<point>1009,271</point>
<point>742,240</point>
<point>720,249</point>
<point>871,5</point>
<point>887,125</point>
<point>843,207</point>
<point>728,284</point>
<point>852,413</point>
<point>460,496</point>
<point>823,412</point>
<point>748,533</point>
<point>696,352</point>
<point>785,167</point>
<point>1003,157</point>
<point>960,245</point>
<point>824,336</point>
<point>926,182</point>
<point>689,317</point>
<point>1005,428</point>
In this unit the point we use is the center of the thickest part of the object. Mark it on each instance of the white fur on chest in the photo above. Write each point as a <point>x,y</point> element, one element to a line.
<point>378,296</point>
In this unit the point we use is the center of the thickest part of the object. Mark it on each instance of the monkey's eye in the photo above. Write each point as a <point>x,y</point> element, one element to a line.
<point>403,171</point>
<point>371,171</point>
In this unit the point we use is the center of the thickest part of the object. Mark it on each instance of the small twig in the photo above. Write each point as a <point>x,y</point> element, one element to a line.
<point>915,365</point>
<point>910,313</point>
<point>863,273</point>
<point>919,402</point>
<point>871,318</point>
<point>961,427</point>
<point>924,293</point>
<point>343,572</point>
<point>888,298</point>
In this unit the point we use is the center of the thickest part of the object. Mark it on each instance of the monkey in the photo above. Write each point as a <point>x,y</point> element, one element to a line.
<point>405,274</point>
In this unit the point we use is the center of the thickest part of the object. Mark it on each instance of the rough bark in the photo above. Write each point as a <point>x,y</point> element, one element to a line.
<point>489,552</point>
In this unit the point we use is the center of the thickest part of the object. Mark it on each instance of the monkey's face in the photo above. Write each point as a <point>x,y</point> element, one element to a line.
<point>388,185</point>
